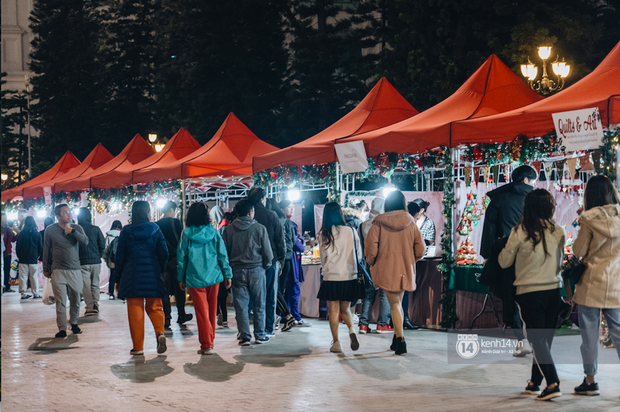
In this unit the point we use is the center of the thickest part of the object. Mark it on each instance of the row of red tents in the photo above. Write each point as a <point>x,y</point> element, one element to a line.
<point>493,106</point>
<point>228,154</point>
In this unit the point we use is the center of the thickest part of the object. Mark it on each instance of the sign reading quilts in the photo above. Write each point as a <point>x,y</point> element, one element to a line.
<point>579,129</point>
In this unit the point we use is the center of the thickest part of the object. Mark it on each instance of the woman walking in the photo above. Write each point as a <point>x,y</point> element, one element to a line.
<point>202,264</point>
<point>393,246</point>
<point>29,247</point>
<point>340,251</point>
<point>141,257</point>
<point>536,247</point>
<point>109,254</point>
<point>599,287</point>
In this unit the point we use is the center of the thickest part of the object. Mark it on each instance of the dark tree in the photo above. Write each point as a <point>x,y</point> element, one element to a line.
<point>216,57</point>
<point>14,158</point>
<point>333,60</point>
<point>68,88</point>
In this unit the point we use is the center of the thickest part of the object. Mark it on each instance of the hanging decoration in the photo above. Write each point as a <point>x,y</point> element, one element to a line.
<point>485,174</point>
<point>467,172</point>
<point>476,176</point>
<point>572,167</point>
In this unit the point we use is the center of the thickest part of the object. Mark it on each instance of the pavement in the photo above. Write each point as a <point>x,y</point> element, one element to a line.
<point>294,372</point>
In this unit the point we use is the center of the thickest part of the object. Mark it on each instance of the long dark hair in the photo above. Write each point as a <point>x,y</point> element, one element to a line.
<point>198,215</point>
<point>332,216</point>
<point>140,211</point>
<point>538,210</point>
<point>30,225</point>
<point>395,201</point>
<point>283,205</point>
<point>599,192</point>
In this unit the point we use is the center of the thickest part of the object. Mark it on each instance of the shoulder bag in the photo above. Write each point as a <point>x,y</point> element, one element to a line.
<point>574,267</point>
<point>363,277</point>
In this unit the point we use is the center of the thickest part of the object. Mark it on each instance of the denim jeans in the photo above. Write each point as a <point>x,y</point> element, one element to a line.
<point>249,284</point>
<point>271,285</point>
<point>590,328</point>
<point>384,308</point>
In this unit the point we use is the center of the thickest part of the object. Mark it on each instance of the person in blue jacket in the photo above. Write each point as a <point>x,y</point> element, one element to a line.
<point>141,256</point>
<point>202,264</point>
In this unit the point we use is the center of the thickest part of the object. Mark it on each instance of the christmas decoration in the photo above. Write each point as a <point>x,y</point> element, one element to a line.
<point>466,255</point>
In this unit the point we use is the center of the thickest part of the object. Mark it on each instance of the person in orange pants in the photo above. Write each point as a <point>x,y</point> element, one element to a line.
<point>135,312</point>
<point>141,256</point>
<point>202,264</point>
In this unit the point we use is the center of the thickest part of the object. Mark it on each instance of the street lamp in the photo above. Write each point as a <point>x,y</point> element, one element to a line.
<point>152,137</point>
<point>545,85</point>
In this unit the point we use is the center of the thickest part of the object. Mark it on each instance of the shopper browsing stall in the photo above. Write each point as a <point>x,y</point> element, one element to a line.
<point>29,247</point>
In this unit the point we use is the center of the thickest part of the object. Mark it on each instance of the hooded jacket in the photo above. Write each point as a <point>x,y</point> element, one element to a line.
<point>352,217</point>
<point>503,213</point>
<point>599,242</point>
<point>217,214</point>
<point>247,243</point>
<point>29,247</point>
<point>393,246</point>
<point>141,256</point>
<point>377,207</point>
<point>202,260</point>
<point>91,254</point>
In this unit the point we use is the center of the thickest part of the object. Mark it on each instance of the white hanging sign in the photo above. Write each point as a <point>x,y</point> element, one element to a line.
<point>47,194</point>
<point>579,129</point>
<point>352,157</point>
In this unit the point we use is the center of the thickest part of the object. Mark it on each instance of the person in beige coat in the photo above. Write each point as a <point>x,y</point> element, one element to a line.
<point>598,242</point>
<point>393,246</point>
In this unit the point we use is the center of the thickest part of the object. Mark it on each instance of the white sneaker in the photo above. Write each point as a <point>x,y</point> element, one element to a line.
<point>356,318</point>
<point>336,348</point>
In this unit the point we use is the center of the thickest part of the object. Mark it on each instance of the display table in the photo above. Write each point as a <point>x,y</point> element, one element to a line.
<point>309,289</point>
<point>424,306</point>
<point>472,299</point>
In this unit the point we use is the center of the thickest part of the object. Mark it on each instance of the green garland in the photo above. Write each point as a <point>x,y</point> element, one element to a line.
<point>608,154</point>
<point>448,296</point>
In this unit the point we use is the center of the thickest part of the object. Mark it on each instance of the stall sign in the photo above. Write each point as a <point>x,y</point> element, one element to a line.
<point>578,129</point>
<point>47,195</point>
<point>352,157</point>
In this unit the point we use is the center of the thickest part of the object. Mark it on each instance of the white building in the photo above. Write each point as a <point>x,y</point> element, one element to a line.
<point>16,37</point>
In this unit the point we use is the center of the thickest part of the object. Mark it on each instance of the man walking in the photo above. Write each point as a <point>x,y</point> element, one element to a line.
<point>61,263</point>
<point>504,213</point>
<point>8,237</point>
<point>172,228</point>
<point>269,219</point>
<point>90,261</point>
<point>249,254</point>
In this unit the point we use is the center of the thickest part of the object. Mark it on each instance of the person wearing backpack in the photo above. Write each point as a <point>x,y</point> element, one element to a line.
<point>109,254</point>
<point>172,228</point>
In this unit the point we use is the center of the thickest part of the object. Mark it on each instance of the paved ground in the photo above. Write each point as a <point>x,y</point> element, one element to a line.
<point>294,372</point>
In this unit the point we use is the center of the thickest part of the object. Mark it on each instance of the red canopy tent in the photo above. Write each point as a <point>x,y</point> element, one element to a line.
<point>179,146</point>
<point>601,89</point>
<point>228,154</point>
<point>382,106</point>
<point>67,162</point>
<point>95,159</point>
<point>135,151</point>
<point>492,89</point>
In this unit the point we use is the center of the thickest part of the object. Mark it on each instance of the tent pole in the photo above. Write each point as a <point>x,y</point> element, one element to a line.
<point>182,200</point>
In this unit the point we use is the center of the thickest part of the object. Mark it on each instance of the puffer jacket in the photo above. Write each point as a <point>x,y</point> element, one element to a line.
<point>141,257</point>
<point>289,237</point>
<point>202,260</point>
<point>393,246</point>
<point>352,217</point>
<point>599,242</point>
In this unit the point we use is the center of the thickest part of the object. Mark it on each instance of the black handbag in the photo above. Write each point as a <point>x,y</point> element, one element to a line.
<point>363,277</point>
<point>574,267</point>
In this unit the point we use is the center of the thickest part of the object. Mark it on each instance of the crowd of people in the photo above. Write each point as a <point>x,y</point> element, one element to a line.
<point>255,252</point>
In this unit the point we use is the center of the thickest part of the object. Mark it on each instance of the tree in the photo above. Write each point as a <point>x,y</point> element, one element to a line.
<point>434,46</point>
<point>216,57</point>
<point>331,62</point>
<point>68,84</point>
<point>14,159</point>
<point>130,66</point>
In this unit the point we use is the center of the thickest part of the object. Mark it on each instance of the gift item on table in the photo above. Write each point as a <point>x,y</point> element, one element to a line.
<point>466,255</point>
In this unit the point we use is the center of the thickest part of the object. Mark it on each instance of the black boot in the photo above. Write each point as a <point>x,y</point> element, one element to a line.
<point>408,325</point>
<point>401,346</point>
<point>393,346</point>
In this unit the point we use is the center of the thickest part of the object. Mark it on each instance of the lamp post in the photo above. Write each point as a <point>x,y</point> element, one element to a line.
<point>545,85</point>
<point>27,83</point>
<point>4,177</point>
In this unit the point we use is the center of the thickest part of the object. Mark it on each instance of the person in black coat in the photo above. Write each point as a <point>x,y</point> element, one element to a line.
<point>141,256</point>
<point>90,261</point>
<point>29,247</point>
<point>504,213</point>
<point>270,220</point>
